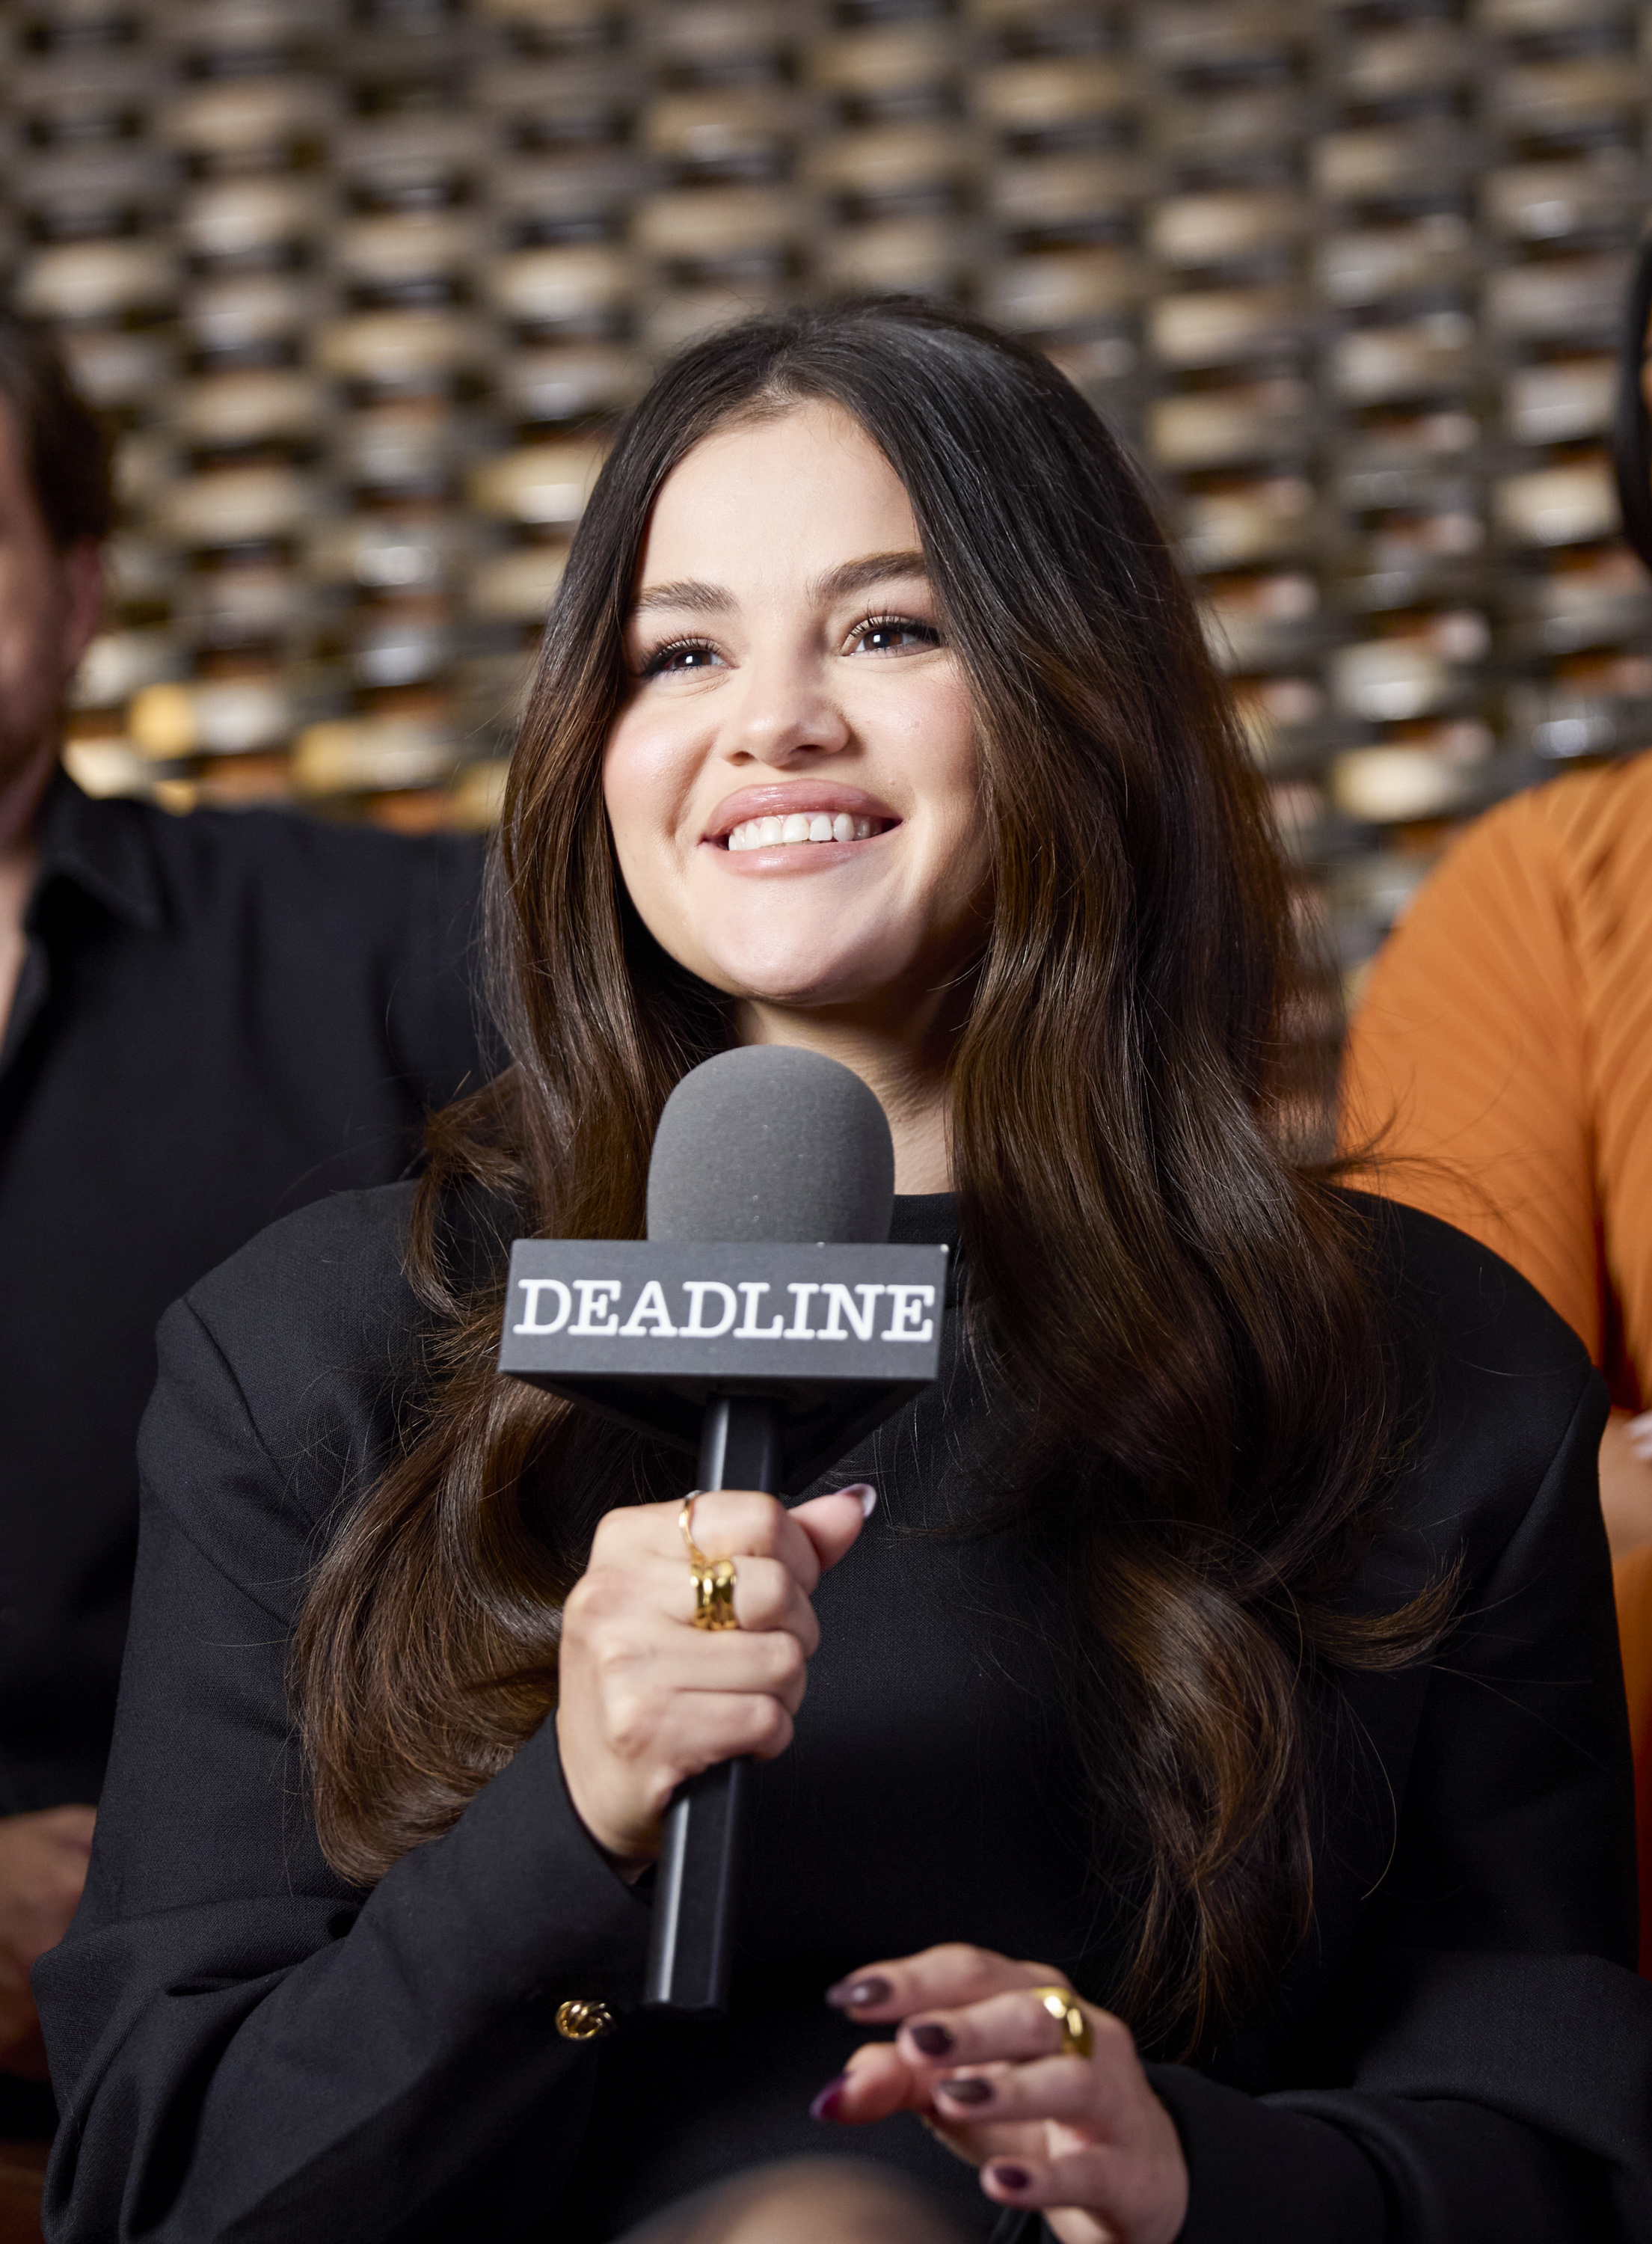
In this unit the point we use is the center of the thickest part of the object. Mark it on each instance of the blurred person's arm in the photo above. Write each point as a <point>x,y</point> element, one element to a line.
<point>1467,1071</point>
<point>43,1868</point>
<point>437,1017</point>
<point>1626,1481</point>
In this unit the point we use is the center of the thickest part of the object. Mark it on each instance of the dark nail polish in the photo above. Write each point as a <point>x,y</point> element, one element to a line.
<point>826,2103</point>
<point>857,1994</point>
<point>969,2090</point>
<point>1011,2177</point>
<point>934,2040</point>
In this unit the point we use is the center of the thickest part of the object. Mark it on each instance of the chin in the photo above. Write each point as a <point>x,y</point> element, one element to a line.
<point>802,979</point>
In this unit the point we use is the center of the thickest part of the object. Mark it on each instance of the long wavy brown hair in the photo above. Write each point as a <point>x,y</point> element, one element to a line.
<point>1178,1304</point>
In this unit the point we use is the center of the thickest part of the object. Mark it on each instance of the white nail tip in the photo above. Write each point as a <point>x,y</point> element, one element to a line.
<point>867,1494</point>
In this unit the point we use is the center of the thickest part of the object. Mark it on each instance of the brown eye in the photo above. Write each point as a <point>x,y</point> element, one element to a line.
<point>894,635</point>
<point>683,657</point>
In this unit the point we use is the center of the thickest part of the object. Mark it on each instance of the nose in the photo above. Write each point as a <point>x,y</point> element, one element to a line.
<point>784,709</point>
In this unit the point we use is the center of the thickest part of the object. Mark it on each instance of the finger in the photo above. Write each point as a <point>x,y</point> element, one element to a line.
<point>948,1975</point>
<point>728,1522</point>
<point>693,1664</point>
<point>718,1726</point>
<point>876,2082</point>
<point>833,1524</point>
<point>1076,2090</point>
<point>1011,2028</point>
<point>740,1523</point>
<point>621,1613</point>
<point>632,1675</point>
<point>976,2141</point>
<point>767,1597</point>
<point>1125,2196</point>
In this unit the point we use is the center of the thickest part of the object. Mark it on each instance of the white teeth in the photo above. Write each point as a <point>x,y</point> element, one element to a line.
<point>799,826</point>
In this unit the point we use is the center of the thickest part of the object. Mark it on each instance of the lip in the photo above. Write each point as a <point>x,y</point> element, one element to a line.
<point>827,796</point>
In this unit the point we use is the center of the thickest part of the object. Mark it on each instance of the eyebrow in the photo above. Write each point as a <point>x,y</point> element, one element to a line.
<point>850,576</point>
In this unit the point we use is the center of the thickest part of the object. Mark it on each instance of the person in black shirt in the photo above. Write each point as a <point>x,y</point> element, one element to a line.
<point>207,1020</point>
<point>1196,1787</point>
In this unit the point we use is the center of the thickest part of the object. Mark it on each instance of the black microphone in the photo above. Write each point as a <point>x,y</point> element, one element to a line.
<point>765,1326</point>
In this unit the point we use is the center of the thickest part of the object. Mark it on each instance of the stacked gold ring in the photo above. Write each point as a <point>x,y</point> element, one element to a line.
<point>1062,2003</point>
<point>714,1578</point>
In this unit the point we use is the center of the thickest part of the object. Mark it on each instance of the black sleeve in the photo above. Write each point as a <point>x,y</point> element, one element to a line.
<point>1489,2049</point>
<point>242,2045</point>
<point>437,1019</point>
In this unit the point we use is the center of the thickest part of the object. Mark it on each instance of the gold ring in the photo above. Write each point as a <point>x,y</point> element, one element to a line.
<point>1062,2003</point>
<point>714,1578</point>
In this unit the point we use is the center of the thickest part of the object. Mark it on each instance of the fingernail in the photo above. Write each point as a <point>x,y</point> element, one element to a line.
<point>1010,2177</point>
<point>967,2091</point>
<point>934,2040</point>
<point>855,1994</point>
<point>827,2103</point>
<point>865,1492</point>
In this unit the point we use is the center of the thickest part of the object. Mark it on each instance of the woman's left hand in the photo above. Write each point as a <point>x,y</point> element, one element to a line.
<point>978,2058</point>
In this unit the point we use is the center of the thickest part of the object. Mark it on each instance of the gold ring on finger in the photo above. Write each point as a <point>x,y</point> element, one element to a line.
<point>714,1578</point>
<point>1063,2004</point>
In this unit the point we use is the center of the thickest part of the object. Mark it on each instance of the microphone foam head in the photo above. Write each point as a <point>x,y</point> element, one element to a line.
<point>767,1142</point>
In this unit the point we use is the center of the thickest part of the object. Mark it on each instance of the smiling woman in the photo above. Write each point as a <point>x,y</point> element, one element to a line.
<point>1203,1757</point>
<point>794,784</point>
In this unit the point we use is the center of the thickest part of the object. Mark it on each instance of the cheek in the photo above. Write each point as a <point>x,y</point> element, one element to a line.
<point>639,788</point>
<point>946,766</point>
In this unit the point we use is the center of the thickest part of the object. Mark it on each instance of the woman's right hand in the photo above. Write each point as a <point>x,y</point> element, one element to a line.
<point>646,1699</point>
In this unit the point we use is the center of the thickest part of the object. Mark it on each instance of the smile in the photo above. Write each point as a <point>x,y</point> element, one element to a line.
<point>800,826</point>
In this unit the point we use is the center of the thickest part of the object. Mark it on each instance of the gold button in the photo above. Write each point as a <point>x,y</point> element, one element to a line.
<point>584,2021</point>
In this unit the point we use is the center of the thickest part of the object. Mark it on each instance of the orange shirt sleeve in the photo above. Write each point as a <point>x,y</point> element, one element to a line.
<point>1466,1067</point>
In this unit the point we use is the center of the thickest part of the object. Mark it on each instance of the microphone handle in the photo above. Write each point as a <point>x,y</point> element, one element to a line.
<point>697,1884</point>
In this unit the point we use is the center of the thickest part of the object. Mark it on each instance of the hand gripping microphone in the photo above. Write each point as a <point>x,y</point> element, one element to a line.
<point>765,1327</point>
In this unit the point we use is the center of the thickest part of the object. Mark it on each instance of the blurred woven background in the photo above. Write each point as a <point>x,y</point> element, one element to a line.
<point>363,284</point>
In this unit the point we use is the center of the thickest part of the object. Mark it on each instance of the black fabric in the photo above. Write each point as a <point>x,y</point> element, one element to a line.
<point>219,1019</point>
<point>249,2049</point>
<point>1631,423</point>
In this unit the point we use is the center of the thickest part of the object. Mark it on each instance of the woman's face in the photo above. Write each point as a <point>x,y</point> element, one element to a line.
<point>793,782</point>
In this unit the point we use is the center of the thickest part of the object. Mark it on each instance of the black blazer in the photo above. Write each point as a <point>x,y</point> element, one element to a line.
<point>244,2047</point>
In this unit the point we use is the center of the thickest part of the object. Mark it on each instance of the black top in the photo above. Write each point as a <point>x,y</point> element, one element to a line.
<point>248,2048</point>
<point>219,1019</point>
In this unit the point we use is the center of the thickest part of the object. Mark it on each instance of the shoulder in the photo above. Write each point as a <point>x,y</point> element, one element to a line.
<point>1579,815</point>
<point>1498,1381</point>
<point>1560,837</point>
<point>319,1267</point>
<point>1473,1301</point>
<point>311,1332</point>
<point>347,868</point>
